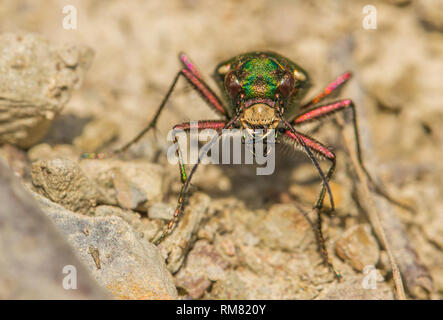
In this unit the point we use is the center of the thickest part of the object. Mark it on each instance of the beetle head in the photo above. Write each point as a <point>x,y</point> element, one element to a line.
<point>260,88</point>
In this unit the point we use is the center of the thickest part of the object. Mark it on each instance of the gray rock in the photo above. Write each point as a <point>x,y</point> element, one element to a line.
<point>64,182</point>
<point>161,210</point>
<point>44,151</point>
<point>175,247</point>
<point>353,288</point>
<point>16,159</point>
<point>95,135</point>
<point>36,81</point>
<point>129,266</point>
<point>147,228</point>
<point>135,184</point>
<point>358,247</point>
<point>35,260</point>
<point>285,227</point>
<point>203,265</point>
<point>129,195</point>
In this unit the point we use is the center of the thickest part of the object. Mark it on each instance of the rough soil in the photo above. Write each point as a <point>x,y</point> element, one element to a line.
<point>242,236</point>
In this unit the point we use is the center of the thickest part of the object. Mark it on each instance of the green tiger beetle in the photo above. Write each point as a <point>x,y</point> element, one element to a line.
<point>262,90</point>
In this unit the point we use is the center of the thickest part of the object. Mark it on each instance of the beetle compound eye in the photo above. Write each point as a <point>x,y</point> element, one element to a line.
<point>232,85</point>
<point>287,85</point>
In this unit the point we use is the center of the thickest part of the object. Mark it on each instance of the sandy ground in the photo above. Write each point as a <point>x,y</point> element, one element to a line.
<point>245,242</point>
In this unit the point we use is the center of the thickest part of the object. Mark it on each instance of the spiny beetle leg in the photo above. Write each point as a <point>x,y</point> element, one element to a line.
<point>186,127</point>
<point>151,125</point>
<point>337,83</point>
<point>217,125</point>
<point>205,92</point>
<point>188,64</point>
<point>303,141</point>
<point>322,243</point>
<point>320,151</point>
<point>192,76</point>
<point>323,111</point>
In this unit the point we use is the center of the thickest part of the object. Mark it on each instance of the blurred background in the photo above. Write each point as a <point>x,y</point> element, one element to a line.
<point>397,87</point>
